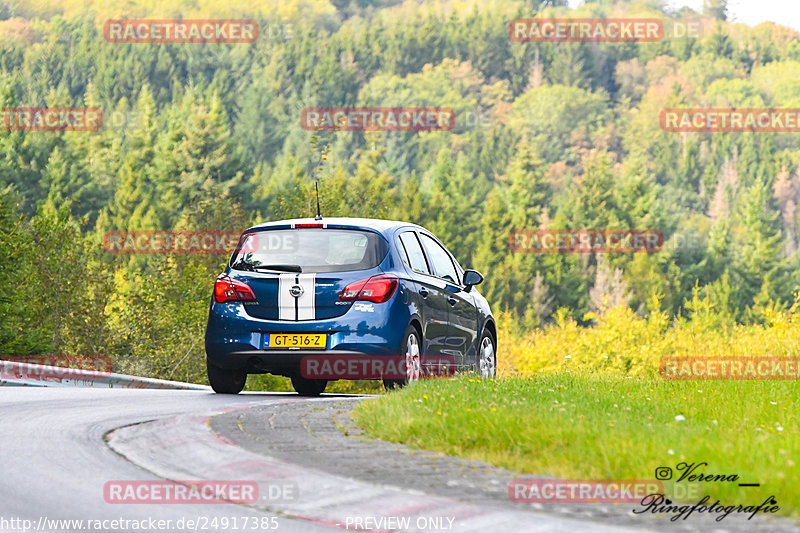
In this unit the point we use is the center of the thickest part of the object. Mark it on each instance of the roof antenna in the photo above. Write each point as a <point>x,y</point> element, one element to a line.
<point>316,187</point>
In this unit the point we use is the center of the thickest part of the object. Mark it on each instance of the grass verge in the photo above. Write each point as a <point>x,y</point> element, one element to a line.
<point>601,427</point>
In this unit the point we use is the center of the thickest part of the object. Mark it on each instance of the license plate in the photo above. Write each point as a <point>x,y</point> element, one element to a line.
<point>295,340</point>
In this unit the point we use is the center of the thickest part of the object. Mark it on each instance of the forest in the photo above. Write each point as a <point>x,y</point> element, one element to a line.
<point>546,136</point>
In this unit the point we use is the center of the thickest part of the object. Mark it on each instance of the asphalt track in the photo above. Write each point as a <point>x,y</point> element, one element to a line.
<point>59,447</point>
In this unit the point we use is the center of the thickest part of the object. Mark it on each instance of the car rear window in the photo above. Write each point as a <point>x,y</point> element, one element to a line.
<point>310,249</point>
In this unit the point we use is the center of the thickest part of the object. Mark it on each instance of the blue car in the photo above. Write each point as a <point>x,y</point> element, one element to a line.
<point>344,288</point>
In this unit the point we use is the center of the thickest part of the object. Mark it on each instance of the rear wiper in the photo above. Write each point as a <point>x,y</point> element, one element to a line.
<point>282,268</point>
<point>242,265</point>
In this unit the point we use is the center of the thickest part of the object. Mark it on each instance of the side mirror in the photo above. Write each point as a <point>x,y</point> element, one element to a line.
<point>471,278</point>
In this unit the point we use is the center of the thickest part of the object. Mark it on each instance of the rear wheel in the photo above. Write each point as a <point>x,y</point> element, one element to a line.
<point>413,349</point>
<point>225,381</point>
<point>309,387</point>
<point>487,356</point>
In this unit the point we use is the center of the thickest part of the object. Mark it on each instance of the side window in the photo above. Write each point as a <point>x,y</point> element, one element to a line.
<point>442,264</point>
<point>414,256</point>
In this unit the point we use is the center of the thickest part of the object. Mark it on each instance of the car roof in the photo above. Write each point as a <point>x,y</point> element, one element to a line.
<point>379,225</point>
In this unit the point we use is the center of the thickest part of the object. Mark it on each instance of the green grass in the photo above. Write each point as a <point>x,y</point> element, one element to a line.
<point>599,428</point>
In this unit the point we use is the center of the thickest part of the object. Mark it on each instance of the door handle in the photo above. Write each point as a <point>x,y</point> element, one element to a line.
<point>452,301</point>
<point>424,292</point>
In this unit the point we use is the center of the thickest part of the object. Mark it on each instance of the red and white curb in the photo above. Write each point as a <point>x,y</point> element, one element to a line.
<point>184,448</point>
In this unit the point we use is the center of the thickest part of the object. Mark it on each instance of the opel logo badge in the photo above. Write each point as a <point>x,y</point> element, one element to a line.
<point>296,291</point>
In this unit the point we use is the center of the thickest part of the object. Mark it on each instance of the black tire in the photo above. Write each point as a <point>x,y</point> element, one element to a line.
<point>309,387</point>
<point>225,381</point>
<point>390,384</point>
<point>483,357</point>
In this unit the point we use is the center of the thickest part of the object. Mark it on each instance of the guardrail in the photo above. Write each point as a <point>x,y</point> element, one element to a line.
<point>13,374</point>
<point>21,383</point>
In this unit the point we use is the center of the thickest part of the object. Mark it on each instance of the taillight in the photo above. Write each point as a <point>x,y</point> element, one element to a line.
<point>376,289</point>
<point>229,290</point>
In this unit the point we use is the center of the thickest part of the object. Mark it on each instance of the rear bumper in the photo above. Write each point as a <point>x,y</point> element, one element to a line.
<point>234,339</point>
<point>280,362</point>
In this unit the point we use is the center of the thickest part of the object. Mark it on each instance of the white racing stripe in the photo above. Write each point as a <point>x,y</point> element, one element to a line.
<point>286,302</point>
<point>306,309</point>
<point>291,308</point>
